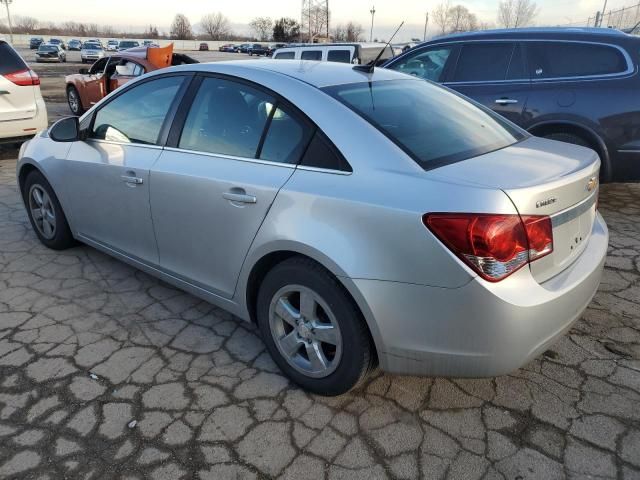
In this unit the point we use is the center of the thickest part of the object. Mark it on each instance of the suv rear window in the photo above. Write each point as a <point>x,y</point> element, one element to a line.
<point>311,55</point>
<point>565,59</point>
<point>10,61</point>
<point>285,56</point>
<point>342,56</point>
<point>432,125</point>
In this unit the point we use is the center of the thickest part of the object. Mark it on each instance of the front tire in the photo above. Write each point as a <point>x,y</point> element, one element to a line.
<point>312,328</point>
<point>73,99</point>
<point>45,213</point>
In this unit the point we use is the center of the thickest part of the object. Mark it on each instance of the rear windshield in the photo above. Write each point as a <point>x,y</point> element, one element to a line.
<point>10,61</point>
<point>434,126</point>
<point>47,48</point>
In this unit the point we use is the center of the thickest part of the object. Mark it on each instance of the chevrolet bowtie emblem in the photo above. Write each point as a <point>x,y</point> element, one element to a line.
<point>591,184</point>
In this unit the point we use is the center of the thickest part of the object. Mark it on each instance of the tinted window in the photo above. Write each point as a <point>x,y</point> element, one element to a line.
<point>321,154</point>
<point>342,56</point>
<point>285,56</point>
<point>137,115</point>
<point>98,67</point>
<point>428,64</point>
<point>226,117</point>
<point>483,62</point>
<point>10,61</point>
<point>517,70</point>
<point>558,59</point>
<point>285,139</point>
<point>311,55</point>
<point>432,125</point>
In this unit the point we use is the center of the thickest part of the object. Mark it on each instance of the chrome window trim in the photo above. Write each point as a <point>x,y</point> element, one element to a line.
<point>574,211</point>
<point>230,157</point>
<point>128,144</point>
<point>323,170</point>
<point>607,76</point>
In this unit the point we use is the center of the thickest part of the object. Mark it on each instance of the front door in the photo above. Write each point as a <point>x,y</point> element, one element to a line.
<point>108,174</point>
<point>94,87</point>
<point>212,191</point>
<point>494,75</point>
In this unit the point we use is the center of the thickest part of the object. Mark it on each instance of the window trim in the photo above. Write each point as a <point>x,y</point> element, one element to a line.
<point>168,119</point>
<point>631,69</point>
<point>180,118</point>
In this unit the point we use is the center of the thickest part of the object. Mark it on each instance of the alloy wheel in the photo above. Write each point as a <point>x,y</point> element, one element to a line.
<point>74,101</point>
<point>305,331</point>
<point>42,211</point>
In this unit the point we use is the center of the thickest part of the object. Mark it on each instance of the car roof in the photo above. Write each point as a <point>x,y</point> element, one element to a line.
<point>568,33</point>
<point>317,74</point>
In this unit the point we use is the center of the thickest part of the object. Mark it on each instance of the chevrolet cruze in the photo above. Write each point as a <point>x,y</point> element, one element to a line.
<point>356,217</point>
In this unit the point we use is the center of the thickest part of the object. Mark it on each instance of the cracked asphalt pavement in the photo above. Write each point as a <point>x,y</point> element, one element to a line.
<point>106,372</point>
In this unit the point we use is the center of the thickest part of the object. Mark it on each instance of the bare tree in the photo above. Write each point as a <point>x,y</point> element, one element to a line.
<point>442,16</point>
<point>25,24</point>
<point>354,32</point>
<point>317,26</point>
<point>181,28</point>
<point>286,30</point>
<point>516,13</point>
<point>462,20</point>
<point>216,25</point>
<point>262,27</point>
<point>340,33</point>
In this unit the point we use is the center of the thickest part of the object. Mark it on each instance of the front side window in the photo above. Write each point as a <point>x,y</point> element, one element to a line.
<point>432,125</point>
<point>483,62</point>
<point>311,55</point>
<point>226,118</point>
<point>567,59</point>
<point>341,56</point>
<point>427,64</point>
<point>138,114</point>
<point>98,67</point>
<point>285,56</point>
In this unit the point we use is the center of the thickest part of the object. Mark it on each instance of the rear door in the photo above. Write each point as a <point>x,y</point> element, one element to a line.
<point>217,178</point>
<point>17,97</point>
<point>493,74</point>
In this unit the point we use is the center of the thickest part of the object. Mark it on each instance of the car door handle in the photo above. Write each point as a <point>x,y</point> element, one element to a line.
<point>132,180</point>
<point>4,92</point>
<point>506,101</point>
<point>238,197</point>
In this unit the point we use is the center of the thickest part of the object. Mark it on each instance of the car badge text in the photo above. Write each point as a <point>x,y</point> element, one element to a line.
<point>545,202</point>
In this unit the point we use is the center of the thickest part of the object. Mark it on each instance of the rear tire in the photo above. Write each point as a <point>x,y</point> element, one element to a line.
<point>73,99</point>
<point>45,213</point>
<point>330,351</point>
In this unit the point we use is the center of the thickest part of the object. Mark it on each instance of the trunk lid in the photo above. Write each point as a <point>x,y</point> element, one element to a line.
<point>542,177</point>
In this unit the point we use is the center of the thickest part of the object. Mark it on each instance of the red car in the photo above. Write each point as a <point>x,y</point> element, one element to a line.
<point>88,87</point>
<point>204,47</point>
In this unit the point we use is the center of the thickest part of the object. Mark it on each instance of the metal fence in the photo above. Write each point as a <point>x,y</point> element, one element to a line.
<point>625,18</point>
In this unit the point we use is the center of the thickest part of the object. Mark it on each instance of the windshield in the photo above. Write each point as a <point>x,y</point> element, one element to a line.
<point>91,46</point>
<point>47,48</point>
<point>434,126</point>
<point>128,44</point>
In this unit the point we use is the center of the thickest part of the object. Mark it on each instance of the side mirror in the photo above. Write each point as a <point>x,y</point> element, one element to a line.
<point>84,71</point>
<point>65,130</point>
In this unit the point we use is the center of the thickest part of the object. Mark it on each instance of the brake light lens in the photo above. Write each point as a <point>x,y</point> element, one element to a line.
<point>494,246</point>
<point>24,78</point>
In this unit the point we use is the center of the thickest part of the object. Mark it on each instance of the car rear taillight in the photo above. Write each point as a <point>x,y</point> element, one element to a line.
<point>494,246</point>
<point>24,78</point>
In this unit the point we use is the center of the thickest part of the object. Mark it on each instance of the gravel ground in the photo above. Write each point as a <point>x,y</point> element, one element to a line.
<point>106,372</point>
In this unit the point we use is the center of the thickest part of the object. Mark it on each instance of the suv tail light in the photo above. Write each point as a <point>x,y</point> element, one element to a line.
<point>494,246</point>
<point>24,78</point>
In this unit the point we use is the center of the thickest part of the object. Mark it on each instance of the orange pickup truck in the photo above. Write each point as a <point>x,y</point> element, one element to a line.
<point>88,87</point>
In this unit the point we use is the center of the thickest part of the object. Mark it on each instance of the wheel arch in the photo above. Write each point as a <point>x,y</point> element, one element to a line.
<point>268,260</point>
<point>587,133</point>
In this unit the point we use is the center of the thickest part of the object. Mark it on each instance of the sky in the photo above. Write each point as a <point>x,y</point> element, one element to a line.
<point>134,15</point>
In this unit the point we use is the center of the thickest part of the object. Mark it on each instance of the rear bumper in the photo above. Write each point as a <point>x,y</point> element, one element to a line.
<point>20,130</point>
<point>481,329</point>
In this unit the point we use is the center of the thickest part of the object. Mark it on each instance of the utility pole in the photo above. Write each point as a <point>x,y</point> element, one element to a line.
<point>604,10</point>
<point>373,13</point>
<point>426,22</point>
<point>6,4</point>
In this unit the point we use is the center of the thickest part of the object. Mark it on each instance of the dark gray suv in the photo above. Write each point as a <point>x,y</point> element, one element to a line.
<point>577,85</point>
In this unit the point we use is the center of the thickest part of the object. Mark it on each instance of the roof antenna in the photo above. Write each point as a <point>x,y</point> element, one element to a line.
<point>369,68</point>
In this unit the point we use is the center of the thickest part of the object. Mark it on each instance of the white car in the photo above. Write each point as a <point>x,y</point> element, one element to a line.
<point>91,52</point>
<point>112,46</point>
<point>22,109</point>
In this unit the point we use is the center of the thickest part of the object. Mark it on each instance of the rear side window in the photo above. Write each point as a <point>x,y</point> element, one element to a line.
<point>517,69</point>
<point>565,59</point>
<point>311,55</point>
<point>322,154</point>
<point>285,56</point>
<point>286,137</point>
<point>482,62</point>
<point>428,64</point>
<point>10,61</point>
<point>341,56</point>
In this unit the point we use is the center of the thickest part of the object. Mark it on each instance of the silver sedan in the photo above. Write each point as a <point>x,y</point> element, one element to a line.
<point>357,218</point>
